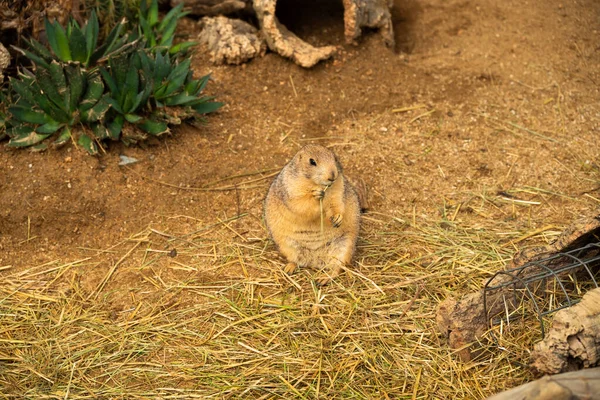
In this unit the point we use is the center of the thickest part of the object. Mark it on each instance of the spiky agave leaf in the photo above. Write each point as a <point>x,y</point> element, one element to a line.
<point>77,43</point>
<point>97,112</point>
<point>58,40</point>
<point>90,32</point>
<point>63,138</point>
<point>93,92</point>
<point>155,128</point>
<point>88,143</point>
<point>76,81</point>
<point>24,136</point>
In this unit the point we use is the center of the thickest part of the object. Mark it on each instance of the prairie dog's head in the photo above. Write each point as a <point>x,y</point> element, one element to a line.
<point>318,164</point>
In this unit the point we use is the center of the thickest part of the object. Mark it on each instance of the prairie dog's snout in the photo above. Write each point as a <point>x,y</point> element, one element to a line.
<point>332,175</point>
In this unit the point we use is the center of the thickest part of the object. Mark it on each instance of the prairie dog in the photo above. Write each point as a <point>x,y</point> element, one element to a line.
<point>293,213</point>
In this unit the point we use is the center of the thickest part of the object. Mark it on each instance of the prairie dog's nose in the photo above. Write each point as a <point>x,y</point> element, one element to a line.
<point>332,176</point>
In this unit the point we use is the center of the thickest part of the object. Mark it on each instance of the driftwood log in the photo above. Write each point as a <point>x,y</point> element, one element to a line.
<point>4,61</point>
<point>464,321</point>
<point>243,41</point>
<point>283,41</point>
<point>579,385</point>
<point>358,14</point>
<point>573,341</point>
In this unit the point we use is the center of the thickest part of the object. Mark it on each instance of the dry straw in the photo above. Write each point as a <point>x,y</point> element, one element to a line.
<point>218,319</point>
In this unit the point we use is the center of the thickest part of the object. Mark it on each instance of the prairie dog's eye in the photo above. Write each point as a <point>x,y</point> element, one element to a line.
<point>313,162</point>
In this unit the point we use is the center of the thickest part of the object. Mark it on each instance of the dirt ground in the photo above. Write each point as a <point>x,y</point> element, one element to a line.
<point>485,112</point>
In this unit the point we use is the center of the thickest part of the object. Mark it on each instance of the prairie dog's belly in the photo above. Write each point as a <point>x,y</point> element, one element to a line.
<point>311,237</point>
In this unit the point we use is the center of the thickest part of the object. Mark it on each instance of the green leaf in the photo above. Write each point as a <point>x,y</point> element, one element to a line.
<point>178,76</point>
<point>88,144</point>
<point>37,60</point>
<point>95,113</point>
<point>23,90</point>
<point>34,95</point>
<point>114,104</point>
<point>132,83</point>
<point>18,130</point>
<point>168,32</point>
<point>173,15</point>
<point>110,82</point>
<point>146,30</point>
<point>162,67</point>
<point>109,44</point>
<point>182,47</point>
<point>153,13</point>
<point>132,118</point>
<point>180,99</point>
<point>192,87</point>
<point>49,127</point>
<point>76,81</point>
<point>153,127</point>
<point>115,127</point>
<point>208,107</point>
<point>142,97</point>
<point>93,93</point>
<point>119,69</point>
<point>91,35</point>
<point>55,112</point>
<point>143,4</point>
<point>39,147</point>
<point>39,49</point>
<point>29,115</point>
<point>27,139</point>
<point>203,82</point>
<point>63,138</point>
<point>57,38</point>
<point>50,81</point>
<point>78,44</point>
<point>100,131</point>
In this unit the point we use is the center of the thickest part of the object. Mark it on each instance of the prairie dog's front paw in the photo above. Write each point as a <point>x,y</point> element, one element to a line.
<point>290,268</point>
<point>318,194</point>
<point>336,220</point>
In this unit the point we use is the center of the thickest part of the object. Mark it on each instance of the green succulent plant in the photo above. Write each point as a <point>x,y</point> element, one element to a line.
<point>130,85</point>
<point>174,84</point>
<point>159,34</point>
<point>52,102</point>
<point>129,91</point>
<point>77,44</point>
<point>110,12</point>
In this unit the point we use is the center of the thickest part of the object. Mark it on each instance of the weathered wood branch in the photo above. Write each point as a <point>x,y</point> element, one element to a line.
<point>573,341</point>
<point>4,61</point>
<point>358,14</point>
<point>579,385</point>
<point>464,321</point>
<point>284,42</point>
<point>230,41</point>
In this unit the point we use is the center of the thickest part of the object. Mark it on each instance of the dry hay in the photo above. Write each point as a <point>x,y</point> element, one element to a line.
<point>218,318</point>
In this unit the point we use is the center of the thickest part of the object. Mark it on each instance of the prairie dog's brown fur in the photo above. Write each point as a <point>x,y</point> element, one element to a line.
<point>293,213</point>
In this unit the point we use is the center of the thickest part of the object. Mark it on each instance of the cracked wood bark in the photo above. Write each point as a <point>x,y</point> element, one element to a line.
<point>282,41</point>
<point>463,321</point>
<point>230,41</point>
<point>358,14</point>
<point>579,385</point>
<point>4,61</point>
<point>573,340</point>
